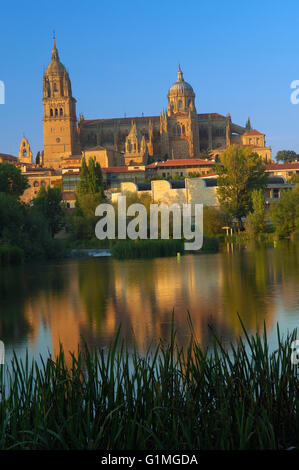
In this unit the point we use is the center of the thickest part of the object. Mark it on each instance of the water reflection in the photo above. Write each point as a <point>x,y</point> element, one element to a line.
<point>43,305</point>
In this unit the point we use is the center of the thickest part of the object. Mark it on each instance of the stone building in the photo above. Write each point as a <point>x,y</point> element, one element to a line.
<point>179,131</point>
<point>25,154</point>
<point>6,158</point>
<point>59,117</point>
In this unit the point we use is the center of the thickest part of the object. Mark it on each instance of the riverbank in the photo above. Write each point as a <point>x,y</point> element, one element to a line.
<point>170,399</point>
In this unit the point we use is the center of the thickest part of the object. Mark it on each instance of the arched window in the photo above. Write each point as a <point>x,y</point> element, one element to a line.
<point>55,87</point>
<point>56,112</point>
<point>61,112</point>
<point>51,112</point>
<point>178,129</point>
<point>180,104</point>
<point>35,184</point>
<point>183,129</point>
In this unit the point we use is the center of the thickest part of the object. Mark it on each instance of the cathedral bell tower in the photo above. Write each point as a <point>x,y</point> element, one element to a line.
<point>59,118</point>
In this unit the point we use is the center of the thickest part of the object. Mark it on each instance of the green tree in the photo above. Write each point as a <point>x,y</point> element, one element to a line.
<point>83,185</point>
<point>239,173</point>
<point>12,219</point>
<point>37,158</point>
<point>294,179</point>
<point>286,156</point>
<point>89,194</point>
<point>213,221</point>
<point>99,179</point>
<point>49,203</point>
<point>256,220</point>
<point>11,180</point>
<point>285,213</point>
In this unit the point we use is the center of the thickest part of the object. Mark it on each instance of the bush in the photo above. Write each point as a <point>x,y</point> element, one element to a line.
<point>210,245</point>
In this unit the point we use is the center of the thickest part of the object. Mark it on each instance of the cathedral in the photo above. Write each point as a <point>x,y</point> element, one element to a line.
<point>179,132</point>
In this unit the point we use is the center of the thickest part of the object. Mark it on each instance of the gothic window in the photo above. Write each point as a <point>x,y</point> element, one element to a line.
<point>51,112</point>
<point>24,153</point>
<point>180,104</point>
<point>183,129</point>
<point>56,112</point>
<point>61,112</point>
<point>55,87</point>
<point>178,129</point>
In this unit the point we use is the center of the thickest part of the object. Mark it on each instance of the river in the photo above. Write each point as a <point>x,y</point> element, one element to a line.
<point>43,305</point>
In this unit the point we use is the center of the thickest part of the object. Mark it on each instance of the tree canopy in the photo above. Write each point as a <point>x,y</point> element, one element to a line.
<point>286,156</point>
<point>89,194</point>
<point>49,203</point>
<point>285,213</point>
<point>240,171</point>
<point>11,180</point>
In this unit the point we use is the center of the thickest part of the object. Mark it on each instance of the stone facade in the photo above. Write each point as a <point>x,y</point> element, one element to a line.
<point>59,118</point>
<point>179,131</point>
<point>105,157</point>
<point>38,177</point>
<point>135,146</point>
<point>190,190</point>
<point>25,154</point>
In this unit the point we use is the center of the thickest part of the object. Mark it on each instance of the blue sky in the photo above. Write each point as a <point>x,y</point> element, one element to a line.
<point>240,57</point>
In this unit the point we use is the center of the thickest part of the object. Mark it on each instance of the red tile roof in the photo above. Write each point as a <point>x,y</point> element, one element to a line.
<point>283,166</point>
<point>182,162</point>
<point>120,169</point>
<point>6,156</point>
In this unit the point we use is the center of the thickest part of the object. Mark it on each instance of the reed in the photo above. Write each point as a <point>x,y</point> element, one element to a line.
<point>172,398</point>
<point>147,248</point>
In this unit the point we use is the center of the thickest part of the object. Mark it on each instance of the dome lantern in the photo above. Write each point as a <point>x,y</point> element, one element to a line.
<point>180,96</point>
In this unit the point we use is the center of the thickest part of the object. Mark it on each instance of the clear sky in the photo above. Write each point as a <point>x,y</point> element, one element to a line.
<point>240,57</point>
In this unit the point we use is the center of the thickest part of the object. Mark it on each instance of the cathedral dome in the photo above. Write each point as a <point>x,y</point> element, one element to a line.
<point>180,86</point>
<point>55,66</point>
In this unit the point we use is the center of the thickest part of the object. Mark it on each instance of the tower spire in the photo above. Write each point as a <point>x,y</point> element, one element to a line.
<point>180,74</point>
<point>54,50</point>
